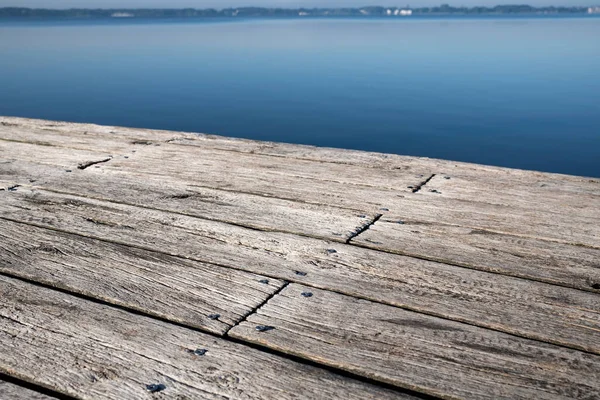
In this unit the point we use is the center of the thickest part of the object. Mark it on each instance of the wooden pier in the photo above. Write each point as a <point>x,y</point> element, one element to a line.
<point>142,264</point>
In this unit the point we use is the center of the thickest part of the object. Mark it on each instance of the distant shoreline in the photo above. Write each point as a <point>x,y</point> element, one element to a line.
<point>21,13</point>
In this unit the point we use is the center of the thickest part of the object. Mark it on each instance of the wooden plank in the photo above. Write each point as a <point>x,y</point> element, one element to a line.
<point>578,223</point>
<point>48,155</point>
<point>312,153</point>
<point>10,391</point>
<point>423,353</point>
<point>258,212</point>
<point>539,196</point>
<point>577,214</point>
<point>579,228</point>
<point>555,263</point>
<point>215,174</point>
<point>521,307</point>
<point>91,351</point>
<point>213,163</point>
<point>199,295</point>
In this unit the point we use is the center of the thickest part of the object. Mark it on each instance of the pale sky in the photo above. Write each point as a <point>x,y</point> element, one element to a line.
<point>270,3</point>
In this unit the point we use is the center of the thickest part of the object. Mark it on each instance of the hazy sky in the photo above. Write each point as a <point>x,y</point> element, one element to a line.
<point>268,3</point>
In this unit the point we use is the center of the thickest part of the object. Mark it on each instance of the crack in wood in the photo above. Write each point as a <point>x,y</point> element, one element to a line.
<point>258,307</point>
<point>363,228</point>
<point>87,164</point>
<point>34,387</point>
<point>420,185</point>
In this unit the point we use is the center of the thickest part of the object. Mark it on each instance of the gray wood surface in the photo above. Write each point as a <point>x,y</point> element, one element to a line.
<point>182,291</point>
<point>460,280</point>
<point>561,226</point>
<point>84,134</point>
<point>92,351</point>
<point>550,206</point>
<point>493,195</point>
<point>557,263</point>
<point>251,173</point>
<point>10,391</point>
<point>419,352</point>
<point>253,211</point>
<point>522,307</point>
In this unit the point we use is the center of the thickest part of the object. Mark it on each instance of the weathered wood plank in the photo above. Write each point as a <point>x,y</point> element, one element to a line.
<point>423,353</point>
<point>556,263</point>
<point>563,227</point>
<point>535,196</point>
<point>269,213</point>
<point>92,351</point>
<point>221,174</point>
<point>521,307</point>
<point>10,391</point>
<point>537,213</point>
<point>312,153</point>
<point>200,295</point>
<point>48,155</point>
<point>259,212</point>
<point>493,194</point>
<point>203,164</point>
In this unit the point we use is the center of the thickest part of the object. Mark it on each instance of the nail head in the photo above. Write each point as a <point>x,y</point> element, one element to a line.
<point>154,388</point>
<point>264,328</point>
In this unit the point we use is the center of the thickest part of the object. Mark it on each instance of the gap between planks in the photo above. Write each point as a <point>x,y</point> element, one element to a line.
<point>402,392</point>
<point>12,388</point>
<point>333,290</point>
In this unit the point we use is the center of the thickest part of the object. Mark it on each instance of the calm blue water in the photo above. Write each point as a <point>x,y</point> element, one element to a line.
<point>522,92</point>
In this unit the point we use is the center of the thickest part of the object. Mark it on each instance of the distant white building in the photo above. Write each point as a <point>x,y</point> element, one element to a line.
<point>388,12</point>
<point>303,13</point>
<point>122,15</point>
<point>593,10</point>
<point>402,12</point>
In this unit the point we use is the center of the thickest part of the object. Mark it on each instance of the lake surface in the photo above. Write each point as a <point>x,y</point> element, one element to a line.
<point>516,92</point>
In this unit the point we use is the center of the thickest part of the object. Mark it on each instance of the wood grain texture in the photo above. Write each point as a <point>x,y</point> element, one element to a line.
<point>10,391</point>
<point>557,263</point>
<point>521,307</point>
<point>524,203</point>
<point>257,212</point>
<point>186,292</point>
<point>539,196</point>
<point>83,133</point>
<point>91,351</point>
<point>423,353</point>
<point>303,180</point>
<point>570,227</point>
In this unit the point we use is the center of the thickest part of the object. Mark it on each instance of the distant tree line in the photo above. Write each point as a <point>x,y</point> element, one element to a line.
<point>445,9</point>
